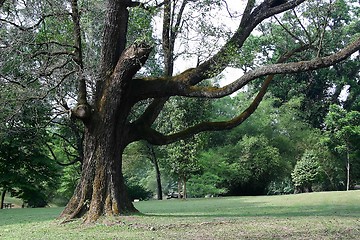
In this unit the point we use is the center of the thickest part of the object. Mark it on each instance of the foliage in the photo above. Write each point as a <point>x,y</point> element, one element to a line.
<point>307,171</point>
<point>214,171</point>
<point>137,191</point>
<point>334,22</point>
<point>180,159</point>
<point>276,138</point>
<point>87,60</point>
<point>345,127</point>
<point>343,137</point>
<point>26,169</point>
<point>259,163</point>
<point>68,182</point>
<point>279,187</point>
<point>205,185</point>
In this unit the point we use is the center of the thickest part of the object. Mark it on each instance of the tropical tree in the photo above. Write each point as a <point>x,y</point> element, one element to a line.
<point>52,41</point>
<point>343,136</point>
<point>307,171</point>
<point>214,172</point>
<point>253,163</point>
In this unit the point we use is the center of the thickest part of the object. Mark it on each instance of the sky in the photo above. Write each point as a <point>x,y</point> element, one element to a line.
<point>229,15</point>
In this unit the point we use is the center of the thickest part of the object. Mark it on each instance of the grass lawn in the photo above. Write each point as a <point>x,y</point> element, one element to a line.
<point>326,215</point>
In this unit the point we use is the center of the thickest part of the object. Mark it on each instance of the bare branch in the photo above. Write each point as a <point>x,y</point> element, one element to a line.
<point>12,81</point>
<point>22,28</point>
<point>302,26</point>
<point>152,112</point>
<point>52,42</point>
<point>288,31</point>
<point>58,53</point>
<point>65,139</point>
<point>51,151</point>
<point>69,163</point>
<point>251,18</point>
<point>49,72</point>
<point>145,6</point>
<point>227,8</point>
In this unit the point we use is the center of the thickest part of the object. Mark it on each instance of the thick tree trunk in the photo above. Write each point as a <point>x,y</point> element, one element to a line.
<point>101,190</point>
<point>2,198</point>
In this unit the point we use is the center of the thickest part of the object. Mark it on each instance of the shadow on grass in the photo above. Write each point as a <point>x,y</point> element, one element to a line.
<point>28,215</point>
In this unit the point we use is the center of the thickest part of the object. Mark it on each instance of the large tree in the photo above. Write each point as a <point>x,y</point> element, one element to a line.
<point>104,100</point>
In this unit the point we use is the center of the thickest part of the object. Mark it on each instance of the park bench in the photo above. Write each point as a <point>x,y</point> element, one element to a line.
<point>8,205</point>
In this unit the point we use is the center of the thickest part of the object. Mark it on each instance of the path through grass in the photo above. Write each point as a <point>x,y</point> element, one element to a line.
<point>327,215</point>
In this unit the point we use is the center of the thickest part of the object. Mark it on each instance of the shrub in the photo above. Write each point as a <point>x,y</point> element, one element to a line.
<point>137,191</point>
<point>284,186</point>
<point>306,172</point>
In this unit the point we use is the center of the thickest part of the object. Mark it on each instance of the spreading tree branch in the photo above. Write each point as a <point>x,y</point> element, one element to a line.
<point>165,87</point>
<point>215,65</point>
<point>279,68</point>
<point>156,138</point>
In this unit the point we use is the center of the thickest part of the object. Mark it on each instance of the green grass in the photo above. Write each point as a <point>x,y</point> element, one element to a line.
<point>327,215</point>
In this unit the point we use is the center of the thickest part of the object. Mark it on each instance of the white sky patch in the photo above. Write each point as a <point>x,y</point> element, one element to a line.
<point>229,15</point>
<point>230,74</point>
<point>344,93</point>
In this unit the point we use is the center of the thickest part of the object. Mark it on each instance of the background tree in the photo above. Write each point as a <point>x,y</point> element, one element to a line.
<point>321,88</point>
<point>213,174</point>
<point>27,171</point>
<point>102,99</point>
<point>343,136</point>
<point>277,138</point>
<point>138,171</point>
<point>181,158</point>
<point>307,171</point>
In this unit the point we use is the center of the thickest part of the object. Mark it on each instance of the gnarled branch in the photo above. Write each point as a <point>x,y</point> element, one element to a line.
<point>157,138</point>
<point>171,87</point>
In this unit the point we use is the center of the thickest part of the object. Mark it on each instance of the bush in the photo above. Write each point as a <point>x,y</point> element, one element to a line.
<point>137,191</point>
<point>205,184</point>
<point>306,172</point>
<point>284,186</point>
<point>32,197</point>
